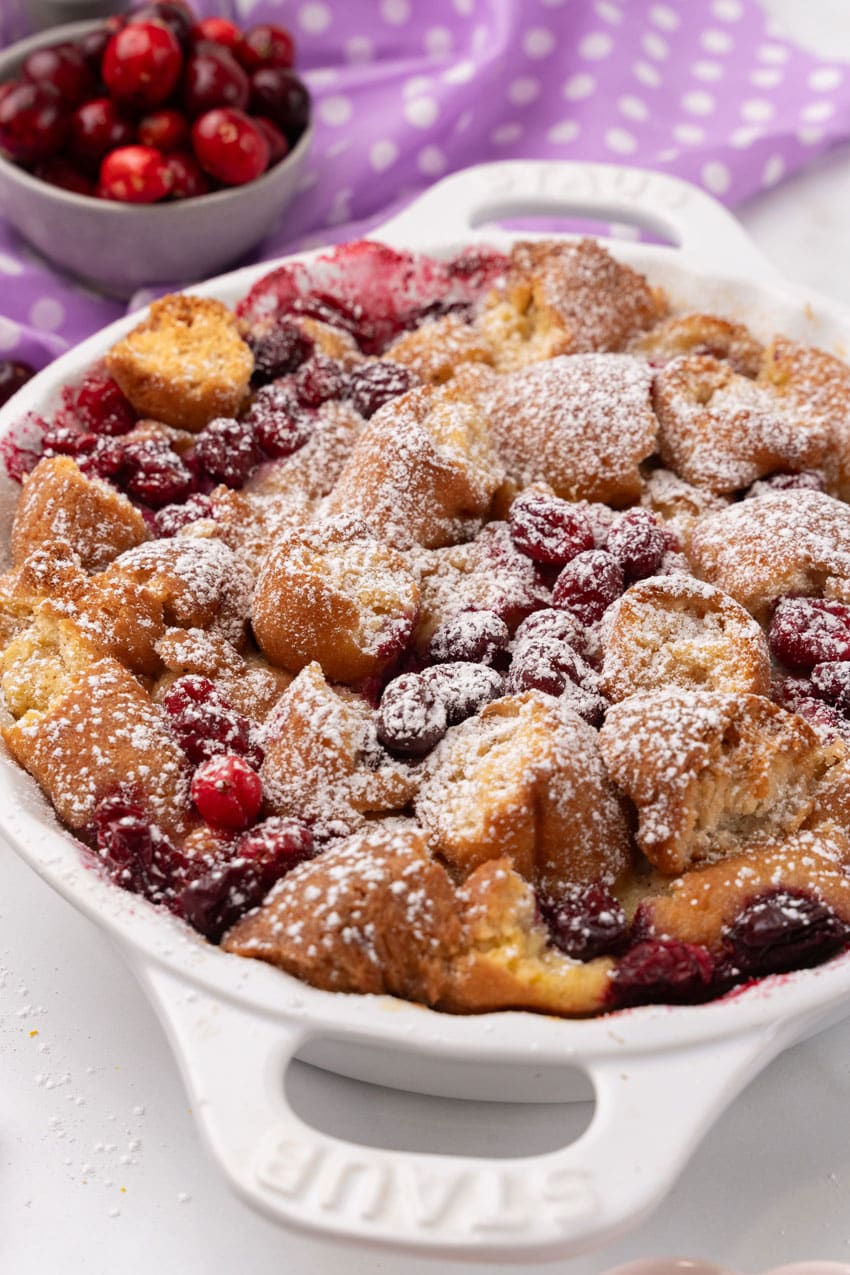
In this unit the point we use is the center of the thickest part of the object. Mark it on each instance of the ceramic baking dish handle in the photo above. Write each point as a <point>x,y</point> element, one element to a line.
<point>650,1113</point>
<point>667,206</point>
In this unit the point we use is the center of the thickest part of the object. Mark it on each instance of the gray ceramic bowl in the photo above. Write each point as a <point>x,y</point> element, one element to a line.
<point>121,247</point>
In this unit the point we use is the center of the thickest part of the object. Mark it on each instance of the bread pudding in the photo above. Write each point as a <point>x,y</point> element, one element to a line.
<point>475,632</point>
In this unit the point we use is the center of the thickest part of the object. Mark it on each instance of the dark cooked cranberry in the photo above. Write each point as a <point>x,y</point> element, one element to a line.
<point>174,518</point>
<point>280,426</point>
<point>63,68</point>
<point>92,47</point>
<point>549,530</point>
<point>586,702</point>
<point>472,636</point>
<point>548,622</point>
<point>333,311</point>
<point>588,585</point>
<point>227,450</point>
<point>227,791</point>
<point>477,267</point>
<point>96,128</point>
<point>105,460</point>
<point>803,480</point>
<point>13,374</point>
<point>58,172</point>
<point>283,98</point>
<point>585,921</point>
<point>135,852</point>
<point>278,350</point>
<point>33,122</point>
<point>662,970</point>
<point>177,17</point>
<point>61,440</point>
<point>374,384</point>
<point>154,473</point>
<point>18,461</point>
<point>464,688</point>
<point>100,406</point>
<point>831,681</point>
<point>217,897</point>
<point>206,724</point>
<point>784,930</point>
<point>214,78</point>
<point>798,696</point>
<point>319,380</point>
<point>543,663</point>
<point>809,631</point>
<point>412,715</point>
<point>638,544</point>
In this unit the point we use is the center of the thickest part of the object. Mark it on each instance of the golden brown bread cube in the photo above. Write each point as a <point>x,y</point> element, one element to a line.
<point>679,503</point>
<point>817,386</point>
<point>702,334</point>
<point>248,682</point>
<point>437,349</point>
<point>185,363</point>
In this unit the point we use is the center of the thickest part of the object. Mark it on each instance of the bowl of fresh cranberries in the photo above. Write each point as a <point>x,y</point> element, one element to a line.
<point>151,147</point>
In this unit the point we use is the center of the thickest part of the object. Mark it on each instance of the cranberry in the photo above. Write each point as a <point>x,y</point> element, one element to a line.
<point>18,461</point>
<point>134,175</point>
<point>230,147</point>
<point>638,544</point>
<point>227,450</point>
<point>809,631</point>
<point>205,724</point>
<point>214,79</point>
<point>585,921</point>
<point>284,98</point>
<point>267,45</point>
<point>218,31</point>
<point>412,715</point>
<point>185,176</point>
<point>585,702</point>
<point>464,688</point>
<point>96,128</point>
<point>549,530</point>
<point>100,406</point>
<point>803,480</point>
<point>319,380</point>
<point>33,122</point>
<point>588,585</point>
<point>155,473</point>
<point>279,350</point>
<point>142,64</point>
<point>64,68</point>
<point>562,626</point>
<point>831,681</point>
<point>542,663</point>
<point>173,518</point>
<point>375,384</point>
<point>278,145</point>
<point>215,900</point>
<point>58,172</point>
<point>92,47</point>
<point>784,930</point>
<point>177,17</point>
<point>473,636</point>
<point>330,310</point>
<point>105,460</point>
<point>280,426</point>
<point>227,791</point>
<point>798,696</point>
<point>662,970</point>
<point>166,130</point>
<point>134,851</point>
<point>13,374</point>
<point>64,441</point>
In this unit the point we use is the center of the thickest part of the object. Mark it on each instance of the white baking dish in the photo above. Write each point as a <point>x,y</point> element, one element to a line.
<point>660,1074</point>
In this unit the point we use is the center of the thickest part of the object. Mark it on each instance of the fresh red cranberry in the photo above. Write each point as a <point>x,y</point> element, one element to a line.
<point>177,17</point>
<point>375,384</point>
<point>227,450</point>
<point>475,637</point>
<point>58,172</point>
<point>96,128</point>
<point>230,147</point>
<point>218,31</point>
<point>227,791</point>
<point>562,626</point>
<point>154,473</point>
<point>278,145</point>
<point>463,687</point>
<point>278,350</point>
<point>280,425</point>
<point>214,79</point>
<point>92,47</point>
<point>64,68</point>
<point>142,64</point>
<point>638,544</point>
<point>13,374</point>
<point>166,130</point>
<point>186,178</point>
<point>206,724</point>
<point>803,480</point>
<point>831,682</point>
<point>217,897</point>
<point>134,175</point>
<point>549,530</point>
<point>809,631</point>
<point>545,664</point>
<point>319,380</point>
<point>662,970</point>
<point>267,45</point>
<point>412,715</point>
<point>784,930</point>
<point>100,406</point>
<point>281,96</point>
<point>173,518</point>
<point>588,585</point>
<point>585,921</point>
<point>134,851</point>
<point>33,122</point>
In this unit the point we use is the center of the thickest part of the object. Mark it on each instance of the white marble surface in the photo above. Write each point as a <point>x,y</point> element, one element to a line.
<point>100,1164</point>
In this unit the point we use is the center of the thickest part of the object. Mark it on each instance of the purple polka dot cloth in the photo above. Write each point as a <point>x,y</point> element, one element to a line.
<point>406,91</point>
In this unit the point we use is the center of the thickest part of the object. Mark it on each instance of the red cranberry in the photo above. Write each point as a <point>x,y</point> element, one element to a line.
<point>64,68</point>
<point>134,175</point>
<point>18,461</point>
<point>64,441</point>
<point>226,449</point>
<point>92,47</point>
<point>284,98</point>
<point>155,473</point>
<point>186,178</point>
<point>227,791</point>
<point>279,350</point>
<point>638,544</point>
<point>330,310</point>
<point>585,921</point>
<point>173,518</point>
<point>831,681</point>
<point>166,130</point>
<point>96,128</point>
<point>543,663</point>
<point>280,426</point>
<point>100,406</point>
<point>784,930</point>
<point>585,702</point>
<point>464,688</point>
<point>562,626</point>
<point>206,724</point>
<point>142,64</point>
<point>278,145</point>
<point>798,696</point>
<point>662,970</point>
<point>809,631</point>
<point>412,715</point>
<point>13,374</point>
<point>230,147</point>
<point>177,17</point>
<point>549,530</point>
<point>476,637</point>
<point>588,585</point>
<point>267,45</point>
<point>214,79</point>
<point>58,172</point>
<point>375,384</point>
<point>134,851</point>
<point>803,480</point>
<point>218,31</point>
<point>319,380</point>
<point>33,122</point>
